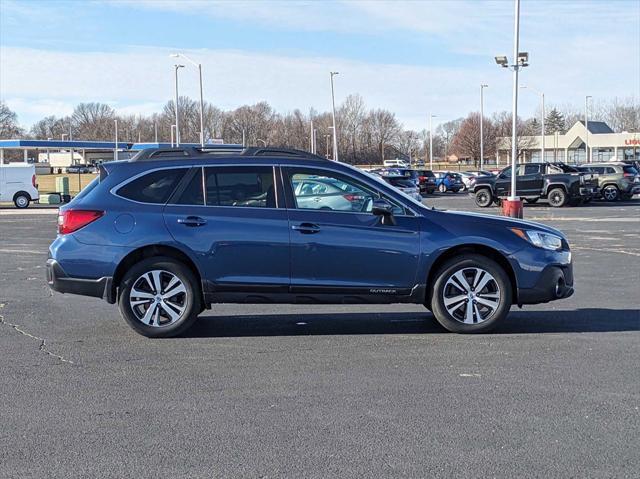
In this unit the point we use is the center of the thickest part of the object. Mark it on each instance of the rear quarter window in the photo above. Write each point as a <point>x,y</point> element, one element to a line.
<point>154,187</point>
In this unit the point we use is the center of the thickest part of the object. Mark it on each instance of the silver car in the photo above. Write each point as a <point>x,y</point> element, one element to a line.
<point>320,193</point>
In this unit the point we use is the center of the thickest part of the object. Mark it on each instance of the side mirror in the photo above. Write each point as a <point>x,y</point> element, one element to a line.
<point>384,209</point>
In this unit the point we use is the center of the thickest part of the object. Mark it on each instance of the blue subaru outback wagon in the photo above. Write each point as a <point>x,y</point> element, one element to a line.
<point>171,232</point>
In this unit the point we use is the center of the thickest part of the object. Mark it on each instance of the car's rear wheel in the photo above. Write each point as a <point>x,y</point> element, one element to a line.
<point>557,197</point>
<point>159,297</point>
<point>442,188</point>
<point>471,294</point>
<point>611,193</point>
<point>21,200</point>
<point>484,197</point>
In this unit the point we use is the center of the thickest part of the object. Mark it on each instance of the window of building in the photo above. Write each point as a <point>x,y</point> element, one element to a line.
<point>154,187</point>
<point>244,186</point>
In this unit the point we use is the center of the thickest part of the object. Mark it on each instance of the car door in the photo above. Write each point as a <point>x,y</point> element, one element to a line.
<point>503,182</point>
<point>529,180</point>
<point>346,249</point>
<point>233,221</point>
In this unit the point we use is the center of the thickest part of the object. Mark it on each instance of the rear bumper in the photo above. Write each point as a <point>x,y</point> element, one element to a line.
<point>555,282</point>
<point>59,281</point>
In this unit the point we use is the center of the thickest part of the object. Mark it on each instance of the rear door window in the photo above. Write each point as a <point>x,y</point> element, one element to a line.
<point>154,187</point>
<point>242,186</point>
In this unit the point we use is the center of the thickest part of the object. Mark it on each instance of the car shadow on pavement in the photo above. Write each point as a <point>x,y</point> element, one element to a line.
<point>590,320</point>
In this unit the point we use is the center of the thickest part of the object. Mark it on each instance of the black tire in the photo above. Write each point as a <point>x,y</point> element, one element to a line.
<point>557,197</point>
<point>531,201</point>
<point>442,188</point>
<point>21,200</point>
<point>610,193</point>
<point>484,198</point>
<point>466,263</point>
<point>191,300</point>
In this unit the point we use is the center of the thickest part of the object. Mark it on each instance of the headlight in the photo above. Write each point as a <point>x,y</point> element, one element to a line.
<point>540,239</point>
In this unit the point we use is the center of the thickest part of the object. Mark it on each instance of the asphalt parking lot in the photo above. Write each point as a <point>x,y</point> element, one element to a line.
<point>332,391</point>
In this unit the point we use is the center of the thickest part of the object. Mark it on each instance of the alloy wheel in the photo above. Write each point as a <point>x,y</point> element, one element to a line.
<point>158,298</point>
<point>610,193</point>
<point>471,295</point>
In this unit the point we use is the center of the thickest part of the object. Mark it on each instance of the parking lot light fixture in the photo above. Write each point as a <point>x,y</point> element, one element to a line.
<point>115,150</point>
<point>431,117</point>
<point>502,61</point>
<point>199,65</point>
<point>333,114</point>
<point>587,159</point>
<point>177,67</point>
<point>482,87</point>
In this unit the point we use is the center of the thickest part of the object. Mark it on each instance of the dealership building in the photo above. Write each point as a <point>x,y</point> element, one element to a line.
<point>602,142</point>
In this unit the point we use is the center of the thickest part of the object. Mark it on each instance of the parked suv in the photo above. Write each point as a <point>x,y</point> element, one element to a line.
<point>174,231</point>
<point>615,180</point>
<point>558,183</point>
<point>425,179</point>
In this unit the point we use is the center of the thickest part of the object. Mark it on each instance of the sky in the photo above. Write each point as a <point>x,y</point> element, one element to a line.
<point>414,58</point>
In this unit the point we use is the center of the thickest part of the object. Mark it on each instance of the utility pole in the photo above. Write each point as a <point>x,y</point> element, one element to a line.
<point>333,113</point>
<point>431,141</point>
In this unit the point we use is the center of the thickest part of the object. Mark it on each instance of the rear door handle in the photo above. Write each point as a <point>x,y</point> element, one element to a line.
<point>192,221</point>
<point>306,228</point>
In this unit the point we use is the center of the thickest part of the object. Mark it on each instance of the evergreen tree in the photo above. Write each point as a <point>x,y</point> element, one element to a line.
<point>554,122</point>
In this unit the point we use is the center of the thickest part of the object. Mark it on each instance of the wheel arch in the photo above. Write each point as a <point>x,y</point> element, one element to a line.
<point>150,251</point>
<point>551,186</point>
<point>479,249</point>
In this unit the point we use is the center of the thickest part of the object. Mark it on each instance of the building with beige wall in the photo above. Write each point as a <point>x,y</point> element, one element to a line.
<point>604,145</point>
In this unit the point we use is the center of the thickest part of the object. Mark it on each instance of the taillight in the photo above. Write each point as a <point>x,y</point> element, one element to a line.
<point>33,181</point>
<point>628,175</point>
<point>422,179</point>
<point>72,220</point>
<point>352,197</point>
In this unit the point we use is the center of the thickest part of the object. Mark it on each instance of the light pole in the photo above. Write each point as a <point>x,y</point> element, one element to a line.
<point>431,117</point>
<point>327,139</point>
<point>199,65</point>
<point>513,205</point>
<point>173,127</point>
<point>115,150</point>
<point>482,87</point>
<point>176,66</point>
<point>587,159</point>
<point>333,113</point>
<point>543,114</point>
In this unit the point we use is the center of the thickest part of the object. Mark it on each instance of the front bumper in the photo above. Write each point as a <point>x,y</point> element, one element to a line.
<point>59,281</point>
<point>555,282</point>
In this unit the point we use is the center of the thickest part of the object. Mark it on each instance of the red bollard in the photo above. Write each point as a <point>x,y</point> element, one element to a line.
<point>512,208</point>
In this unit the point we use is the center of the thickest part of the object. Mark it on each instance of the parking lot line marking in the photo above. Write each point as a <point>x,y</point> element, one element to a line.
<point>619,251</point>
<point>21,251</point>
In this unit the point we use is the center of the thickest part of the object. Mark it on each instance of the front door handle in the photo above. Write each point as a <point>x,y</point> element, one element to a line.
<point>306,228</point>
<point>192,221</point>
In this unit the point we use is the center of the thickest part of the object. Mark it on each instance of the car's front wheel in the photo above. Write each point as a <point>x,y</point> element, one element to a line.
<point>471,294</point>
<point>159,297</point>
<point>442,188</point>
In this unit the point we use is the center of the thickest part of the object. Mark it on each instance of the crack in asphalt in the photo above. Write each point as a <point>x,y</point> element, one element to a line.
<point>43,343</point>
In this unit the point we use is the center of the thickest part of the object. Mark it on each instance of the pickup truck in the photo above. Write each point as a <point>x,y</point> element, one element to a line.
<point>558,183</point>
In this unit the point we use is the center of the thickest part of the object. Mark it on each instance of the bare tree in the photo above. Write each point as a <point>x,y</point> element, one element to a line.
<point>466,142</point>
<point>49,127</point>
<point>502,128</point>
<point>9,127</point>
<point>384,129</point>
<point>93,121</point>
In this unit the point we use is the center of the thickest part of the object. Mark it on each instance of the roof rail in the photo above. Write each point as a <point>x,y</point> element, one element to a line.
<point>191,151</point>
<point>274,151</point>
